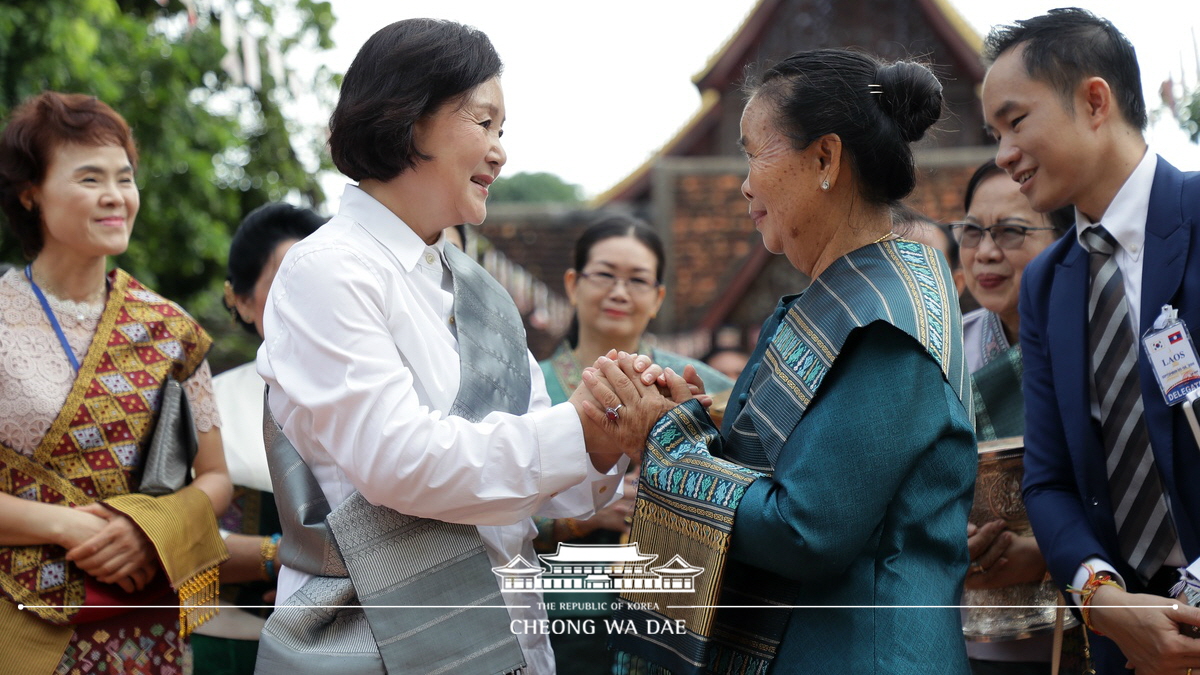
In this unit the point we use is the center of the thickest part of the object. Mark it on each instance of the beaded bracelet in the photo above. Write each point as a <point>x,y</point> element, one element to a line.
<point>1093,584</point>
<point>268,549</point>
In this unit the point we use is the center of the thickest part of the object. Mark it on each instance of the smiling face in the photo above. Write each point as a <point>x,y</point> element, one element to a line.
<point>1045,143</point>
<point>994,274</point>
<point>780,179</point>
<point>619,313</point>
<point>463,139</point>
<point>88,201</point>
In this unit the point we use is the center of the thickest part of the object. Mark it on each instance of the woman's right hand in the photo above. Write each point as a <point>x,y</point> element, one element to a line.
<point>1000,558</point>
<point>616,386</point>
<point>118,554</point>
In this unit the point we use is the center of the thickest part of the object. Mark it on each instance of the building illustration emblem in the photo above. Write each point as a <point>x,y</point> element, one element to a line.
<point>598,568</point>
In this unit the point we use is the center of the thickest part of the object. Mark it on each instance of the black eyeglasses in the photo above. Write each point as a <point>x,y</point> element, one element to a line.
<point>1006,235</point>
<point>606,282</point>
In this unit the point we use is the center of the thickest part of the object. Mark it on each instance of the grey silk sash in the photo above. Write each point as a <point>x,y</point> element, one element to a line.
<point>391,592</point>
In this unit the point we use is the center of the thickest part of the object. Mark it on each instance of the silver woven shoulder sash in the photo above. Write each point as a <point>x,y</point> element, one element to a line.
<point>391,592</point>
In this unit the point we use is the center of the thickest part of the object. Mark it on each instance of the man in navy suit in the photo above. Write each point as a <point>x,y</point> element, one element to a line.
<point>1063,99</point>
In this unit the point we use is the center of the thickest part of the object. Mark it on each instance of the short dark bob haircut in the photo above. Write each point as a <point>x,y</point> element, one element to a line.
<point>608,227</point>
<point>1061,219</point>
<point>255,240</point>
<point>876,108</point>
<point>37,128</point>
<point>1065,46</point>
<point>404,72</point>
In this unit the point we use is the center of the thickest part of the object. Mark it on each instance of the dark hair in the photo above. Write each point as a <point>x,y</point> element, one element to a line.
<point>876,109</point>
<point>256,238</point>
<point>1066,45</point>
<point>404,72</point>
<point>1060,219</point>
<point>608,227</point>
<point>36,129</point>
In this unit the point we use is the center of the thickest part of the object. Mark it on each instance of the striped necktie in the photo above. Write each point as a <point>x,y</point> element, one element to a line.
<point>1144,529</point>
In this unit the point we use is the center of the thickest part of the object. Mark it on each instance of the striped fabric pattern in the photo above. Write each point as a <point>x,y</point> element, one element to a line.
<point>899,282</point>
<point>1145,533</point>
<point>683,504</point>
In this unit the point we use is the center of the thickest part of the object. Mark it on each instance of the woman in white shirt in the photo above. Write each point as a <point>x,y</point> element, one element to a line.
<point>365,325</point>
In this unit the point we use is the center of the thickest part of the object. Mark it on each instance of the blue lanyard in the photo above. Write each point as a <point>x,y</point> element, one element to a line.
<point>62,339</point>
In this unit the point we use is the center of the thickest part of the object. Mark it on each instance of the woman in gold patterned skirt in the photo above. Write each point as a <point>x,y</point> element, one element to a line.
<point>89,567</point>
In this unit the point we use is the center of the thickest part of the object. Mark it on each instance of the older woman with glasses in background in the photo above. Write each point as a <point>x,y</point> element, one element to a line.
<point>615,286</point>
<point>1000,234</point>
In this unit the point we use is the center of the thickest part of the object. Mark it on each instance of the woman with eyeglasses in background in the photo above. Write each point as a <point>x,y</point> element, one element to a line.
<point>1000,234</point>
<point>616,288</point>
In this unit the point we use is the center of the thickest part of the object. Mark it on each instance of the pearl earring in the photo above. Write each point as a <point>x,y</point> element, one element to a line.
<point>825,184</point>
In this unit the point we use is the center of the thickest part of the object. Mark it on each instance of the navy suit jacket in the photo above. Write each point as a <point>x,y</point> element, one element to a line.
<point>1066,484</point>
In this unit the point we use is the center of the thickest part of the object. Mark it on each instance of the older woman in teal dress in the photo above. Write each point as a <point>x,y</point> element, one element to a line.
<point>828,511</point>
<point>615,286</point>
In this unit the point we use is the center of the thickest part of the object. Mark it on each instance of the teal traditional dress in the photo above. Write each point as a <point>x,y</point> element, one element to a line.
<point>587,653</point>
<point>829,511</point>
<point>996,369</point>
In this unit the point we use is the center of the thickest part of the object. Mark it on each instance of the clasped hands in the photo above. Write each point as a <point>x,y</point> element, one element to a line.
<point>108,545</point>
<point>1001,558</point>
<point>638,392</point>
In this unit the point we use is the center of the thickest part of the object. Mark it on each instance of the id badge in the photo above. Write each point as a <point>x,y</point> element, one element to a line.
<point>1170,350</point>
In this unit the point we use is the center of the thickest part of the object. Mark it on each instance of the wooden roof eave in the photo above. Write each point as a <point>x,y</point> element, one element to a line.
<point>961,41</point>
<point>725,63</point>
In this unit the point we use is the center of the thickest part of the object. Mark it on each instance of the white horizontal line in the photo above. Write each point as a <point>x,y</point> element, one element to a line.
<point>22,606</point>
<point>1175,606</point>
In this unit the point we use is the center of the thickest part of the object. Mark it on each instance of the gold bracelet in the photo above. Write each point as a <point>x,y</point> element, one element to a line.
<point>268,550</point>
<point>572,527</point>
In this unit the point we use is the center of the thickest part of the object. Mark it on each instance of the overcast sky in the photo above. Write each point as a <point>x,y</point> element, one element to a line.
<point>594,89</point>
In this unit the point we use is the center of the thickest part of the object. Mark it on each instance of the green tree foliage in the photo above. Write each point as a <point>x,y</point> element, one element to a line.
<point>537,187</point>
<point>211,148</point>
<point>1189,116</point>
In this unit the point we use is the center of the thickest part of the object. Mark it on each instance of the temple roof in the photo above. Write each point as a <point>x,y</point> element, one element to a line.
<point>721,76</point>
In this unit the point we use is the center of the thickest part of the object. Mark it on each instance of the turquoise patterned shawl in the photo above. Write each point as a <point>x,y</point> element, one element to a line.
<point>693,478</point>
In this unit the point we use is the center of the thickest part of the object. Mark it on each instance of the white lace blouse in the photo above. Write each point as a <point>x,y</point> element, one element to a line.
<point>35,374</point>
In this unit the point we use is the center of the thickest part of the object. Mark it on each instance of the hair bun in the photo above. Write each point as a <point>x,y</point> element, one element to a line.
<point>911,96</point>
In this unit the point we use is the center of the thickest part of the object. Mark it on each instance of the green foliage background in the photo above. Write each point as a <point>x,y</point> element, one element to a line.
<point>211,150</point>
<point>535,187</point>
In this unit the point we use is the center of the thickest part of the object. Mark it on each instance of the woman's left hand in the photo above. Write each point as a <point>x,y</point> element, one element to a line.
<point>119,554</point>
<point>634,405</point>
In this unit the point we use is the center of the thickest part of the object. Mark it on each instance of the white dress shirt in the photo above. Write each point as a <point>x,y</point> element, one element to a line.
<point>1125,220</point>
<point>362,361</point>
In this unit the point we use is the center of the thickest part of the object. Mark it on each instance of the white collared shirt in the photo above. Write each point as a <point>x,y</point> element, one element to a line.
<point>362,362</point>
<point>1125,220</point>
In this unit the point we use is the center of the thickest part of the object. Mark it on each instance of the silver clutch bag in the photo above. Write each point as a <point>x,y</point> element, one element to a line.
<point>167,466</point>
